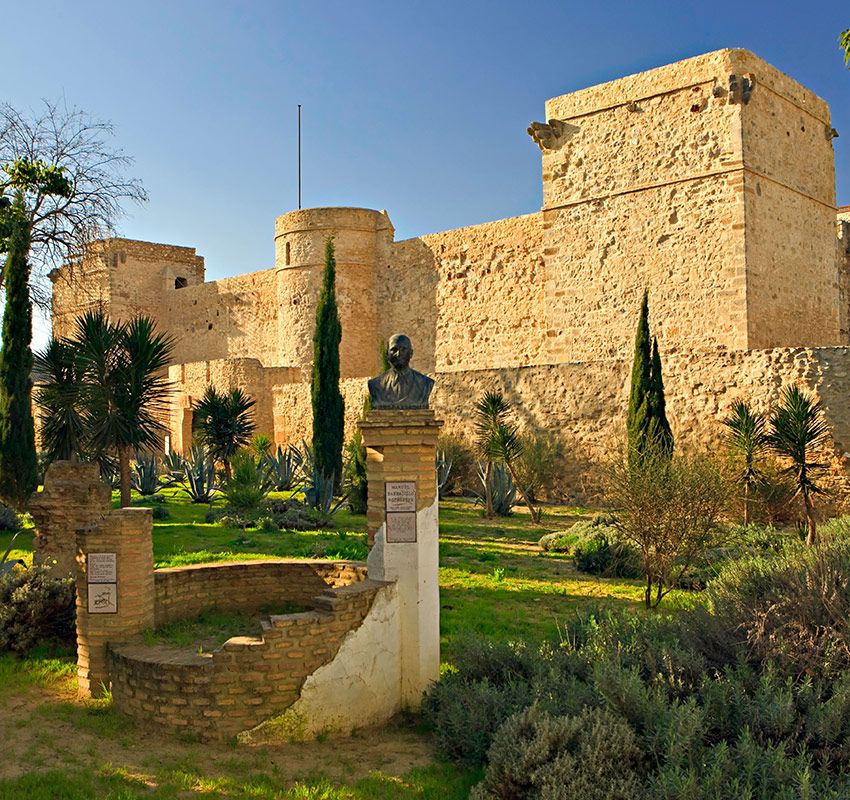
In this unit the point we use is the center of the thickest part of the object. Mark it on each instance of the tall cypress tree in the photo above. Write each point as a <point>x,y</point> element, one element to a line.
<point>639,418</point>
<point>328,406</point>
<point>18,463</point>
<point>661,433</point>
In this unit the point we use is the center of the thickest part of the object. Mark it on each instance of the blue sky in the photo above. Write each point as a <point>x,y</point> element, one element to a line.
<point>416,107</point>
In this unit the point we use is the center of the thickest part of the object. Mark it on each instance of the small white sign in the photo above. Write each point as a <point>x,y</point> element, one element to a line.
<point>103,598</point>
<point>401,527</point>
<point>401,495</point>
<point>102,568</point>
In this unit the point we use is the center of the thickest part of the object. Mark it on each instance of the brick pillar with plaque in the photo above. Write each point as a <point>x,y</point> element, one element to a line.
<point>403,534</point>
<point>115,590</point>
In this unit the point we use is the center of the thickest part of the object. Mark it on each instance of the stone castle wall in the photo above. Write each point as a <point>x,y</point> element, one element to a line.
<point>709,182</point>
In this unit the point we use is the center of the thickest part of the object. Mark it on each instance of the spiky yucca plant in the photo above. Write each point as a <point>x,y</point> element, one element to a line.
<point>747,437</point>
<point>797,428</point>
<point>225,423</point>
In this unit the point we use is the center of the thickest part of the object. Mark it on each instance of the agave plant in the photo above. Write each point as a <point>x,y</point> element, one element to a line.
<point>284,468</point>
<point>319,493</point>
<point>199,476</point>
<point>502,490</point>
<point>174,464</point>
<point>444,471</point>
<point>146,476</point>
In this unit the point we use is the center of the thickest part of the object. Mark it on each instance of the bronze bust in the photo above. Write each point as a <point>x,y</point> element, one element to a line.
<point>400,386</point>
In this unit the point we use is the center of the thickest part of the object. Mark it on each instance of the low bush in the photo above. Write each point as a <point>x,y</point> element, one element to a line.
<point>650,700</point>
<point>604,554</point>
<point>160,512</point>
<point>792,609</point>
<point>35,606</point>
<point>9,519</point>
<point>248,486</point>
<point>294,515</point>
<point>540,467</point>
<point>592,756</point>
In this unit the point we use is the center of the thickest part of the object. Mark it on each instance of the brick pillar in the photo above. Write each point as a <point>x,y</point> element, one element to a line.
<point>403,534</point>
<point>74,499</point>
<point>115,590</point>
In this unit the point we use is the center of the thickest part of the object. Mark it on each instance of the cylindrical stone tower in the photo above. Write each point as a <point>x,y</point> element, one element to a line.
<point>362,238</point>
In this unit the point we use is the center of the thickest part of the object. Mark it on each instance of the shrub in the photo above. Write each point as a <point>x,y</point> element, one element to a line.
<point>248,486</point>
<point>160,512</point>
<point>540,468</point>
<point>355,481</point>
<point>296,516</point>
<point>591,756</point>
<point>268,524</point>
<point>566,541</point>
<point>792,610</point>
<point>670,513</point>
<point>604,554</point>
<point>9,519</point>
<point>35,606</point>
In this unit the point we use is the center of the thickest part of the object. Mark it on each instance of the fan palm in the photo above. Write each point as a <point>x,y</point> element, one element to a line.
<point>62,423</point>
<point>224,423</point>
<point>747,436</point>
<point>797,427</point>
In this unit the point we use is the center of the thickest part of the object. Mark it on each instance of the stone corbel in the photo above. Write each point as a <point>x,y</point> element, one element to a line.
<point>551,135</point>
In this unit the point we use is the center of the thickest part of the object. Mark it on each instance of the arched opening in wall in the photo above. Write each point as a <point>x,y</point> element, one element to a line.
<point>286,258</point>
<point>181,283</point>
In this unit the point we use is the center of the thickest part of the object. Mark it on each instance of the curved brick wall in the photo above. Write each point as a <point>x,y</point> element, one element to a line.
<point>249,679</point>
<point>184,592</point>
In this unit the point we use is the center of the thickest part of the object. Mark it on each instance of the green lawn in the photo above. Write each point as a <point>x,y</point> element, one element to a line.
<point>494,581</point>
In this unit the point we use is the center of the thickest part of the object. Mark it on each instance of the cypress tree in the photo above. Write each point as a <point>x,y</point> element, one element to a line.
<point>328,406</point>
<point>639,418</point>
<point>18,463</point>
<point>661,434</point>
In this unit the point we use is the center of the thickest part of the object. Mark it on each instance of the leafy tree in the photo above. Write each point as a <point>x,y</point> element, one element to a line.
<point>747,436</point>
<point>225,423</point>
<point>844,43</point>
<point>798,427</point>
<point>107,385</point>
<point>75,148</point>
<point>669,511</point>
<point>499,442</point>
<point>328,405</point>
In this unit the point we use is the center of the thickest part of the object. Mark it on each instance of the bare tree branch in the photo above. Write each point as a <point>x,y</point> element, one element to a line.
<point>82,145</point>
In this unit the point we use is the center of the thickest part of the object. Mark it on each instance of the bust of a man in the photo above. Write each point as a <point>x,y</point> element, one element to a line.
<point>400,386</point>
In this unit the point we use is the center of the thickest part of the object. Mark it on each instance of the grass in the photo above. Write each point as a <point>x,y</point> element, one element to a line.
<point>213,627</point>
<point>494,581</point>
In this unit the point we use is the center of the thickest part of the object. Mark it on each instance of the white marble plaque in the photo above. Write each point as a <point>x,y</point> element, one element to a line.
<point>401,495</point>
<point>401,526</point>
<point>103,598</point>
<point>102,568</point>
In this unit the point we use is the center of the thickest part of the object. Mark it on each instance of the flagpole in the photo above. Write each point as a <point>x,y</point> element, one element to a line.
<point>299,155</point>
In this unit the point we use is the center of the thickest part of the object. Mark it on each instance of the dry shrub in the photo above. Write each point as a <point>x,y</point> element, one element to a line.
<point>463,477</point>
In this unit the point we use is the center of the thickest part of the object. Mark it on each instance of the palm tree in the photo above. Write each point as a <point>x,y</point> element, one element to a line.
<point>498,441</point>
<point>107,389</point>
<point>797,427</point>
<point>225,423</point>
<point>62,424</point>
<point>746,434</point>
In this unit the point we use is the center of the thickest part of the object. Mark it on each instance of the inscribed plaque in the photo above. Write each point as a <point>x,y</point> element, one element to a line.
<point>401,527</point>
<point>102,568</point>
<point>401,495</point>
<point>103,598</point>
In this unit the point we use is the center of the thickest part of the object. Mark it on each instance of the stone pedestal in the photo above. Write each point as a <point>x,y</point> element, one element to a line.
<point>115,590</point>
<point>403,534</point>
<point>74,500</point>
